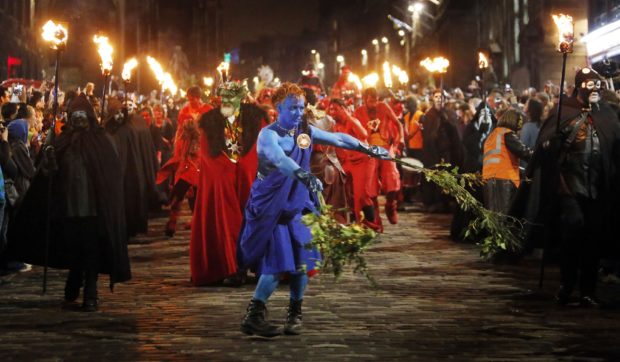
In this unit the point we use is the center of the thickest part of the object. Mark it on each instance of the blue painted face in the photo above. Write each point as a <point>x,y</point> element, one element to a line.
<point>290,112</point>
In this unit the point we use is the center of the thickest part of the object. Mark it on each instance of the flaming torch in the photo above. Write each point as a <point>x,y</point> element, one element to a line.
<point>566,37</point>
<point>483,65</point>
<point>105,52</point>
<point>387,75</point>
<point>164,79</point>
<point>565,45</point>
<point>353,78</point>
<point>223,69</point>
<point>437,65</point>
<point>126,75</point>
<point>56,35</point>
<point>371,80</point>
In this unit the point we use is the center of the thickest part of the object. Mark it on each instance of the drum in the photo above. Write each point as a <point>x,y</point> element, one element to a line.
<point>411,175</point>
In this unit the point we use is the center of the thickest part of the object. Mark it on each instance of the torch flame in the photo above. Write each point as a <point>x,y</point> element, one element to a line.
<point>371,80</point>
<point>105,52</point>
<point>436,65</point>
<point>403,78</point>
<point>566,34</point>
<point>396,70</point>
<point>483,62</point>
<point>165,79</point>
<point>127,68</point>
<point>208,81</point>
<point>387,74</point>
<point>353,78</point>
<point>56,34</point>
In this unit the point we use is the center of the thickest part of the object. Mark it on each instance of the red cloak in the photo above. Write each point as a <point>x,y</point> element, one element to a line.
<point>223,190</point>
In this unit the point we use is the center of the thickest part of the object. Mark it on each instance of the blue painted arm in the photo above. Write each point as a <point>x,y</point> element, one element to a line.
<point>343,140</point>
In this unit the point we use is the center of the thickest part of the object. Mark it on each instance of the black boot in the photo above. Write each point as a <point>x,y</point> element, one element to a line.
<point>91,302</point>
<point>73,285</point>
<point>293,323</point>
<point>254,321</point>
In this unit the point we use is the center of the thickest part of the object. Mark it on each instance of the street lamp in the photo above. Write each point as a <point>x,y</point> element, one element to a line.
<point>105,52</point>
<point>364,59</point>
<point>386,48</point>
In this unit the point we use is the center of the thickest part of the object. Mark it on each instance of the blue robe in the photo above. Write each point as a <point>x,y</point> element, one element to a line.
<point>273,239</point>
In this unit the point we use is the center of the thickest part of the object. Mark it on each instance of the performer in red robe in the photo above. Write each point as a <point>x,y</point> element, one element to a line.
<point>358,166</point>
<point>184,163</point>
<point>384,130</point>
<point>228,164</point>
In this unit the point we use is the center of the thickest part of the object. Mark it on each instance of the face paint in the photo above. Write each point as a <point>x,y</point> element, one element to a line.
<point>371,101</point>
<point>79,120</point>
<point>290,112</point>
<point>227,110</point>
<point>231,93</point>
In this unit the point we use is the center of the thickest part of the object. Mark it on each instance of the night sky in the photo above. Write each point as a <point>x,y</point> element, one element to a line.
<point>247,20</point>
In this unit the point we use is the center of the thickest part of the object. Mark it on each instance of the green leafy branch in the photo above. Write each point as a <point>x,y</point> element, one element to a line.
<point>499,232</point>
<point>340,245</point>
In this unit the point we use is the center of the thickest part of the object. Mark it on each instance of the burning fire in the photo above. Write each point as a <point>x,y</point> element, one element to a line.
<point>105,52</point>
<point>353,78</point>
<point>483,62</point>
<point>371,80</point>
<point>387,74</point>
<point>56,34</point>
<point>165,79</point>
<point>566,34</point>
<point>403,77</point>
<point>208,81</point>
<point>127,68</point>
<point>436,65</point>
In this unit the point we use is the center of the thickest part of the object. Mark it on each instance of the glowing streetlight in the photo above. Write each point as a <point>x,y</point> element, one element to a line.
<point>340,59</point>
<point>384,40</point>
<point>375,42</point>
<point>401,32</point>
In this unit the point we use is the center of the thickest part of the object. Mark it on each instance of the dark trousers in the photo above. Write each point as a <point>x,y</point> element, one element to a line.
<point>81,235</point>
<point>579,226</point>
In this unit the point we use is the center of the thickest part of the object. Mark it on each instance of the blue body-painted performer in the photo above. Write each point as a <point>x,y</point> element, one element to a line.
<point>273,239</point>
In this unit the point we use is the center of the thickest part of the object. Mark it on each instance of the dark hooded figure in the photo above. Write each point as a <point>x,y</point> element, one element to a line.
<point>441,144</point>
<point>83,209</point>
<point>127,144</point>
<point>573,194</point>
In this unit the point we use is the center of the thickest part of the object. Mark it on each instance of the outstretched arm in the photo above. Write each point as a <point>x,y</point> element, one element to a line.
<point>347,142</point>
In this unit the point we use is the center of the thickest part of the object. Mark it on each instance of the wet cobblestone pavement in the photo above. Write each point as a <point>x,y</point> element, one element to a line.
<point>436,300</point>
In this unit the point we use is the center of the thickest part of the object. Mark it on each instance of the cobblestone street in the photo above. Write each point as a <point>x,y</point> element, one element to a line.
<point>436,300</point>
